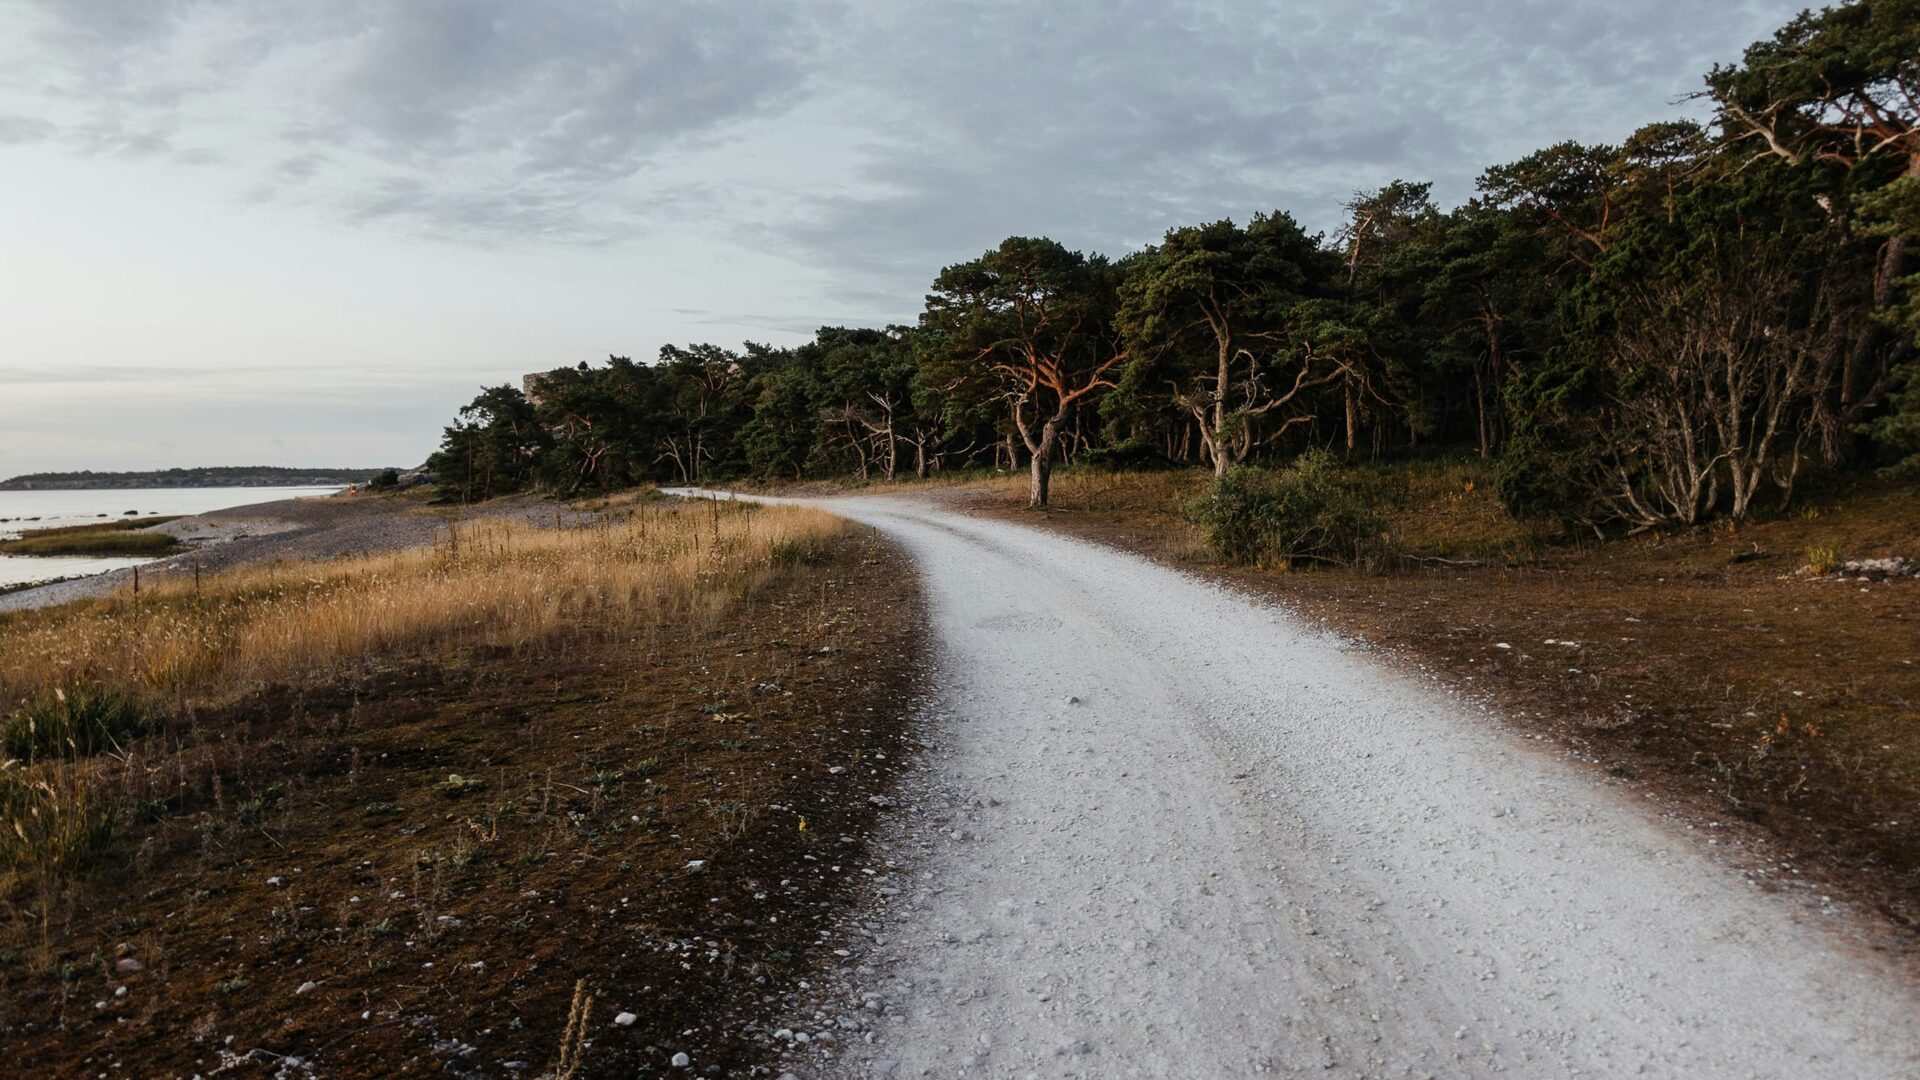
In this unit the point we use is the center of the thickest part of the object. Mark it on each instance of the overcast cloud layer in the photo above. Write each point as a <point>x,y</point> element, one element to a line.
<point>282,232</point>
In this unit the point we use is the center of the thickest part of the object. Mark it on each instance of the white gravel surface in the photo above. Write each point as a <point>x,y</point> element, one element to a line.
<point>1165,830</point>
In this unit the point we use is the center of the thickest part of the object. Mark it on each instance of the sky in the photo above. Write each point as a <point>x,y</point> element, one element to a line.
<point>293,233</point>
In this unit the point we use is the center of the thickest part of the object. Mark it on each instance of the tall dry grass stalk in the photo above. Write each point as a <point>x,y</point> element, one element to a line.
<point>491,583</point>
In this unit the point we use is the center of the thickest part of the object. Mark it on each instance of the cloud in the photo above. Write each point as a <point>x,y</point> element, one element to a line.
<point>1105,123</point>
<point>488,118</point>
<point>25,129</point>
<point>299,168</point>
<point>871,143</point>
<point>561,91</point>
<point>89,374</point>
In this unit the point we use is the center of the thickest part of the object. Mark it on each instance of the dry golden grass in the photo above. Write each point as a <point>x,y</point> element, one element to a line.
<point>495,583</point>
<point>488,584</point>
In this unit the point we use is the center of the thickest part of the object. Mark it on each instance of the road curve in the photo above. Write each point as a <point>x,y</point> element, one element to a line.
<point>1166,830</point>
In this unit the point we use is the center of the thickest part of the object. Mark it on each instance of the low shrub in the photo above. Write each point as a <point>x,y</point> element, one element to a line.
<point>1821,560</point>
<point>1309,512</point>
<point>73,721</point>
<point>799,552</point>
<point>1140,454</point>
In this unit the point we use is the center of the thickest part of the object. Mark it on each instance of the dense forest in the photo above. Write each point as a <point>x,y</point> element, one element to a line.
<point>1651,334</point>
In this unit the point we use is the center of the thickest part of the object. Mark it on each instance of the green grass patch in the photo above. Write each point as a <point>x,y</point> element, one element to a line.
<point>74,721</point>
<point>130,537</point>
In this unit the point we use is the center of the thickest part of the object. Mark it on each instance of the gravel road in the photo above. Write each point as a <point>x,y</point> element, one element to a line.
<point>1163,829</point>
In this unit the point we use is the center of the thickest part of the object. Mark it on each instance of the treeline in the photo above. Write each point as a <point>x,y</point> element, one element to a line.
<point>1642,335</point>
<point>207,476</point>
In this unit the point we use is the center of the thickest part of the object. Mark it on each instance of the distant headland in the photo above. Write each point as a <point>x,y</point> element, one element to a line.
<point>211,476</point>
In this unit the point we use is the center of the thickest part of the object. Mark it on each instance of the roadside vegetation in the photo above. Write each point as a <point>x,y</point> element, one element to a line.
<point>128,537</point>
<point>1310,512</point>
<point>385,813</point>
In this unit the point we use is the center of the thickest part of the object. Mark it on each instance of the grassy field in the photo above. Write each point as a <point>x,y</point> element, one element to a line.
<point>130,537</point>
<point>387,813</point>
<point>1728,671</point>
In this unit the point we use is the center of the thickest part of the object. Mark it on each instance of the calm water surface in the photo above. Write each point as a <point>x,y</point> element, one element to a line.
<point>49,509</point>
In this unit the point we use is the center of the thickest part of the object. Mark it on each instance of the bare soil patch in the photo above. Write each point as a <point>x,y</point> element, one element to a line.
<point>410,873</point>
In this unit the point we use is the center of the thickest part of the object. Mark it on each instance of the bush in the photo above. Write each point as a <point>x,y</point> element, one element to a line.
<point>800,552</point>
<point>1140,454</point>
<point>73,722</point>
<point>1309,512</point>
<point>1821,560</point>
<point>386,480</point>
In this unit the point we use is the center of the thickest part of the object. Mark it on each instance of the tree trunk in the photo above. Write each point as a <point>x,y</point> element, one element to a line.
<point>1480,407</point>
<point>859,449</point>
<point>1222,381</point>
<point>1043,464</point>
<point>1353,418</point>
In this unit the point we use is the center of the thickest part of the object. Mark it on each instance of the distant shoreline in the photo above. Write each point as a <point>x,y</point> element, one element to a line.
<point>210,477</point>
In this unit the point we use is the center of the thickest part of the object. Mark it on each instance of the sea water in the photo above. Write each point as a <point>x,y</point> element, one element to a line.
<point>22,510</point>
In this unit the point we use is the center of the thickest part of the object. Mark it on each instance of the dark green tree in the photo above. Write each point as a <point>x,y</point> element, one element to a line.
<point>703,403</point>
<point>493,449</point>
<point>1033,324</point>
<point>1211,313</point>
<point>1838,91</point>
